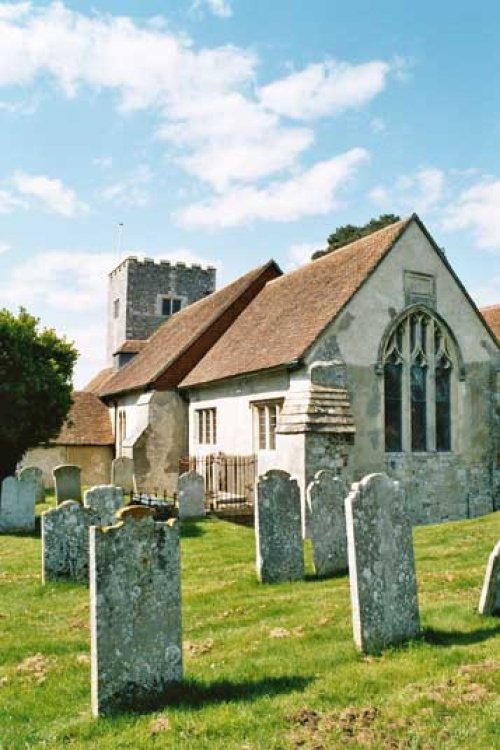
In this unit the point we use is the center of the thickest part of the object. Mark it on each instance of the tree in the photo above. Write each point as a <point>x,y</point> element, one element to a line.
<point>349,233</point>
<point>36,367</point>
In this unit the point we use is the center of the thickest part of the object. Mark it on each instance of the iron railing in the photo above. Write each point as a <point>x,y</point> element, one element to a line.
<point>229,480</point>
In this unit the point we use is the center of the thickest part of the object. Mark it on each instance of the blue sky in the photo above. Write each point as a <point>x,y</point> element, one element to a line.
<point>231,131</point>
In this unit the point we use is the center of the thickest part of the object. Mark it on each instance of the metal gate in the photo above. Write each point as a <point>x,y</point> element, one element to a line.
<point>229,481</point>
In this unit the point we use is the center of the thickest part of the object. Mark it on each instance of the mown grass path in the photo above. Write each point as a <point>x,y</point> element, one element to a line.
<point>267,667</point>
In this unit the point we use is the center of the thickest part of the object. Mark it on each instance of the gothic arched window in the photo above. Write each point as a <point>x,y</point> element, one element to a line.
<point>419,362</point>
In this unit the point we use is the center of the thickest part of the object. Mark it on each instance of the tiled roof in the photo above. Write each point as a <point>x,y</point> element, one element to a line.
<point>88,422</point>
<point>185,338</point>
<point>131,346</point>
<point>291,311</point>
<point>97,382</point>
<point>491,315</point>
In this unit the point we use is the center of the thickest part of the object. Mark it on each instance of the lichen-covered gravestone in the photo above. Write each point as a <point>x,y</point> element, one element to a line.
<point>489,603</point>
<point>122,473</point>
<point>17,504</point>
<point>36,474</point>
<point>191,495</point>
<point>326,509</point>
<point>65,542</point>
<point>135,610</point>
<point>104,500</point>
<point>278,528</point>
<point>67,483</point>
<point>381,564</point>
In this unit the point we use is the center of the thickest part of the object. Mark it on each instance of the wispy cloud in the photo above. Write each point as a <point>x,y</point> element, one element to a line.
<point>421,191</point>
<point>4,247</point>
<point>219,8</point>
<point>300,254</point>
<point>51,193</point>
<point>477,209</point>
<point>131,190</point>
<point>314,191</point>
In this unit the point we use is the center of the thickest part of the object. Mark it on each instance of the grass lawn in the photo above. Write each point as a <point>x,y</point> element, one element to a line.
<point>266,667</point>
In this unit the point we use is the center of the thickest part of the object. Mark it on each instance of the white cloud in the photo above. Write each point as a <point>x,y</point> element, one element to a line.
<point>52,194</point>
<point>131,190</point>
<point>103,162</point>
<point>325,88</point>
<point>421,191</point>
<point>10,202</point>
<point>220,8</point>
<point>378,125</point>
<point>309,193</point>
<point>477,209</point>
<point>300,254</point>
<point>4,247</point>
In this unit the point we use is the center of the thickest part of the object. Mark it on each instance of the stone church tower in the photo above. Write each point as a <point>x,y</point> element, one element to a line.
<point>144,294</point>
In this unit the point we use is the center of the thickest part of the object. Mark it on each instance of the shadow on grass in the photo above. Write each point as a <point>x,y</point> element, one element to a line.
<point>456,638</point>
<point>196,694</point>
<point>192,529</point>
<point>33,534</point>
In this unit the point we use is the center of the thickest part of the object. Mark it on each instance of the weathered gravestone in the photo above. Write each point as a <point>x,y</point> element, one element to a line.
<point>67,483</point>
<point>191,495</point>
<point>65,542</point>
<point>381,564</point>
<point>17,504</point>
<point>36,474</point>
<point>122,473</point>
<point>489,603</point>
<point>278,528</point>
<point>104,500</point>
<point>135,608</point>
<point>326,511</point>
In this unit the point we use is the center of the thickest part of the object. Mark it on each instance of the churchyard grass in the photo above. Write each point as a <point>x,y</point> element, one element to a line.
<point>267,667</point>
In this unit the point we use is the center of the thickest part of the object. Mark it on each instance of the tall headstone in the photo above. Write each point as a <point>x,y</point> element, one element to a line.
<point>36,474</point>
<point>65,542</point>
<point>135,608</point>
<point>489,603</point>
<point>326,510</point>
<point>122,473</point>
<point>278,528</point>
<point>381,564</point>
<point>67,483</point>
<point>104,501</point>
<point>191,495</point>
<point>17,504</point>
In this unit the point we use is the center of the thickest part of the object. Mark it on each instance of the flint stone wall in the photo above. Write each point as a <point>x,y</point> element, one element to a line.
<point>135,606</point>
<point>191,495</point>
<point>104,501</point>
<point>67,483</point>
<point>17,504</point>
<point>327,529</point>
<point>36,474</point>
<point>278,528</point>
<point>489,603</point>
<point>65,542</point>
<point>122,473</point>
<point>381,564</point>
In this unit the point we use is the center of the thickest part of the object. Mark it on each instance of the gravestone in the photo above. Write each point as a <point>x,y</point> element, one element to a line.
<point>65,542</point>
<point>36,474</point>
<point>67,483</point>
<point>489,603</point>
<point>326,511</point>
<point>17,504</point>
<point>381,564</point>
<point>122,473</point>
<point>135,607</point>
<point>278,528</point>
<point>191,495</point>
<point>104,500</point>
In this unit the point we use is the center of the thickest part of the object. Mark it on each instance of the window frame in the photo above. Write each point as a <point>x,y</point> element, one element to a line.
<point>265,421</point>
<point>205,420</point>
<point>171,299</point>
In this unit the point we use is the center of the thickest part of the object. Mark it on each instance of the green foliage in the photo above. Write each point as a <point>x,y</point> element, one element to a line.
<point>349,233</point>
<point>267,667</point>
<point>36,368</point>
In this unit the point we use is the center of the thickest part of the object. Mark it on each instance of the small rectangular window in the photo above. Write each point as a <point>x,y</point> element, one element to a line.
<point>176,305</point>
<point>170,305</point>
<point>116,308</point>
<point>266,419</point>
<point>206,426</point>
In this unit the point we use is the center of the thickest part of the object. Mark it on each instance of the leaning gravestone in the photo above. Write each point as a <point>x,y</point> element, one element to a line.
<point>36,474</point>
<point>67,483</point>
<point>326,508</point>
<point>65,542</point>
<point>135,610</point>
<point>17,504</point>
<point>489,603</point>
<point>104,500</point>
<point>381,564</point>
<point>122,473</point>
<point>191,495</point>
<point>278,528</point>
